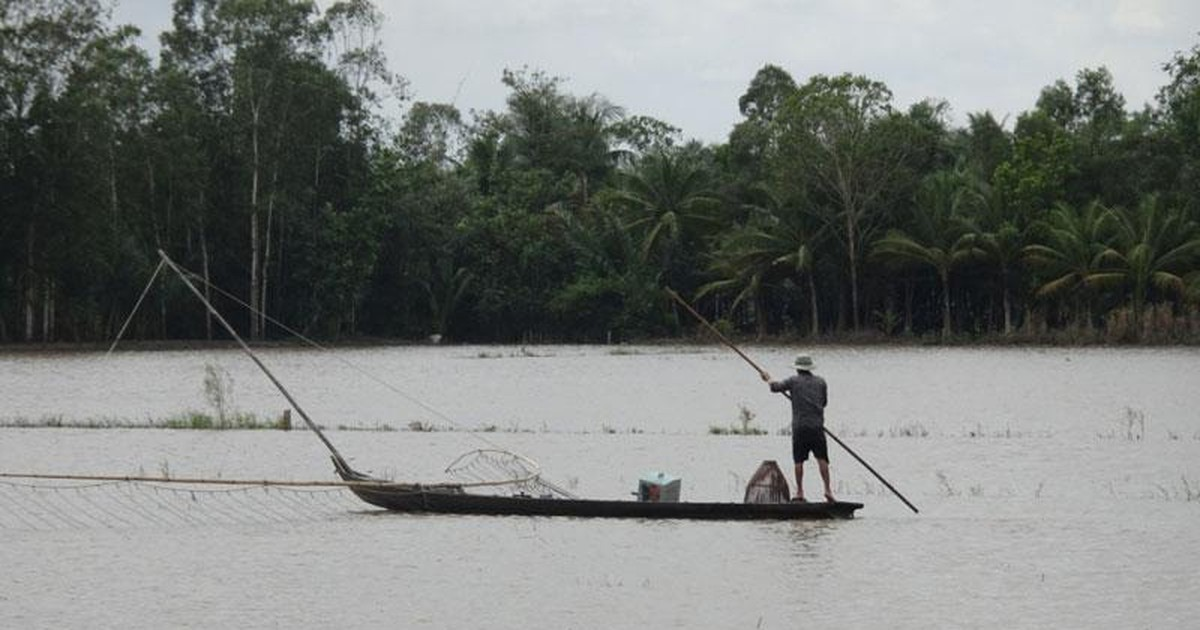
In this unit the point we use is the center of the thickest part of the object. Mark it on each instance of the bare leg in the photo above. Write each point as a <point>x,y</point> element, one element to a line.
<point>800,480</point>
<point>823,466</point>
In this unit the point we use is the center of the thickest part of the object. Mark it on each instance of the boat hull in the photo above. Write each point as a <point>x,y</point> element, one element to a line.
<point>439,502</point>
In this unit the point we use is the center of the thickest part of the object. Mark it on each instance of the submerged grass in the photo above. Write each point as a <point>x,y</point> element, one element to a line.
<point>198,421</point>
<point>192,420</point>
<point>382,427</point>
<point>203,421</point>
<point>1186,491</point>
<point>521,353</point>
<point>745,420</point>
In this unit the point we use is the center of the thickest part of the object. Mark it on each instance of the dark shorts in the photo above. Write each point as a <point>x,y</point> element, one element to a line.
<point>807,440</point>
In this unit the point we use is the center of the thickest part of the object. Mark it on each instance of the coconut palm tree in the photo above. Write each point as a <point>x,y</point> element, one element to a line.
<point>613,288</point>
<point>939,238</point>
<point>1191,287</point>
<point>1067,253</point>
<point>445,289</point>
<point>1003,246</point>
<point>1156,247</point>
<point>590,153</point>
<point>671,202</point>
<point>775,247</point>
<point>998,237</point>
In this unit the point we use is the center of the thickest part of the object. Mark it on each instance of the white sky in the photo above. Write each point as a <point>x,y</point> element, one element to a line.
<point>686,62</point>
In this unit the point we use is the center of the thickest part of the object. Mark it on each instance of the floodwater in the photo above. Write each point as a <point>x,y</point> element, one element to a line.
<point>1058,488</point>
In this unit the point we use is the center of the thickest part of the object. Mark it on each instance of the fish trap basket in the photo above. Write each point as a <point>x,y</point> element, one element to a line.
<point>768,485</point>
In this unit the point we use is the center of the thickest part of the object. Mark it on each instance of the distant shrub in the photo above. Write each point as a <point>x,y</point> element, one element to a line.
<point>745,419</point>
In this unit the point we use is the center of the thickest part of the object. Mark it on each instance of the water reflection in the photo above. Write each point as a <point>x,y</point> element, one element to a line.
<point>805,540</point>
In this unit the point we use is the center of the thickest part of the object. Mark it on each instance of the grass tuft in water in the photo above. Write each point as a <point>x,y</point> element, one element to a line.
<point>202,421</point>
<point>523,352</point>
<point>914,429</point>
<point>745,420</point>
<point>185,420</point>
<point>947,488</point>
<point>381,427</point>
<point>1189,493</point>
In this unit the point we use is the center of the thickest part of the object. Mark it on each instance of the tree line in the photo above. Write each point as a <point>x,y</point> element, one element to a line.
<point>271,151</point>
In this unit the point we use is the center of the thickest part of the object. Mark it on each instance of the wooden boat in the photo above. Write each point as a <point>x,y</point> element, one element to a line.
<point>456,499</point>
<point>417,499</point>
<point>514,497</point>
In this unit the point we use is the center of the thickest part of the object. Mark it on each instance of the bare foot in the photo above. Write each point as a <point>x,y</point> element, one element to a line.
<point>798,499</point>
<point>829,498</point>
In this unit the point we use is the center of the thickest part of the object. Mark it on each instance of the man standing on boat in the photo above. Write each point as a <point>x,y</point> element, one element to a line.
<point>808,394</point>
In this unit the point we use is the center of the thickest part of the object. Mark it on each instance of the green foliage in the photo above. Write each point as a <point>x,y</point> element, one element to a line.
<point>671,203</point>
<point>1035,177</point>
<point>257,151</point>
<point>1155,246</point>
<point>337,264</point>
<point>774,250</point>
<point>844,147</point>
<point>1180,99</point>
<point>940,236</point>
<point>191,421</point>
<point>984,145</point>
<point>204,422</point>
<point>1067,252</point>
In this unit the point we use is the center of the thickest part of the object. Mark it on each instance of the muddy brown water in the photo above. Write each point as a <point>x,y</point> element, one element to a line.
<point>1057,487</point>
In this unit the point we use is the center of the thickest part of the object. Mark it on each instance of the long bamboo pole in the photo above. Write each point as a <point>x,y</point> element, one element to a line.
<point>198,481</point>
<point>368,483</point>
<point>767,377</point>
<point>713,329</point>
<point>141,298</point>
<point>253,357</point>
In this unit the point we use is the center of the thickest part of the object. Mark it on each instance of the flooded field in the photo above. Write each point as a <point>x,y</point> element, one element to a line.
<point>1057,487</point>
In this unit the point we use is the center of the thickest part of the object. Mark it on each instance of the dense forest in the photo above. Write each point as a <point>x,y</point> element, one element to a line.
<point>264,150</point>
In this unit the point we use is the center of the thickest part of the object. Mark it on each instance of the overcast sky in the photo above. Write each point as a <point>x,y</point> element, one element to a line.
<point>686,62</point>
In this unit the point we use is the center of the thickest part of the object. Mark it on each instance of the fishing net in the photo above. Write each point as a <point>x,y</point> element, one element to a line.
<point>485,470</point>
<point>46,505</point>
<point>503,472</point>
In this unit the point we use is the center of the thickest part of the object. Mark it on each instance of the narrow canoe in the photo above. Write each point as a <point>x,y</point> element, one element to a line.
<point>408,498</point>
<point>452,499</point>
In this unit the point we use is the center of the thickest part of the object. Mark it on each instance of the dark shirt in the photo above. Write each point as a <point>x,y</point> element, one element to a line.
<point>808,399</point>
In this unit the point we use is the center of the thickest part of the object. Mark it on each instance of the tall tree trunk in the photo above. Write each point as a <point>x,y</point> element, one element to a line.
<point>151,187</point>
<point>908,306</point>
<point>113,199</point>
<point>760,316</point>
<point>266,263</point>
<point>840,324</point>
<point>48,310</point>
<point>945,277</point>
<point>812,300</point>
<point>1008,327</point>
<point>208,323</point>
<point>254,237</point>
<point>280,259</point>
<point>852,253</point>
<point>1139,308</point>
<point>30,282</point>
